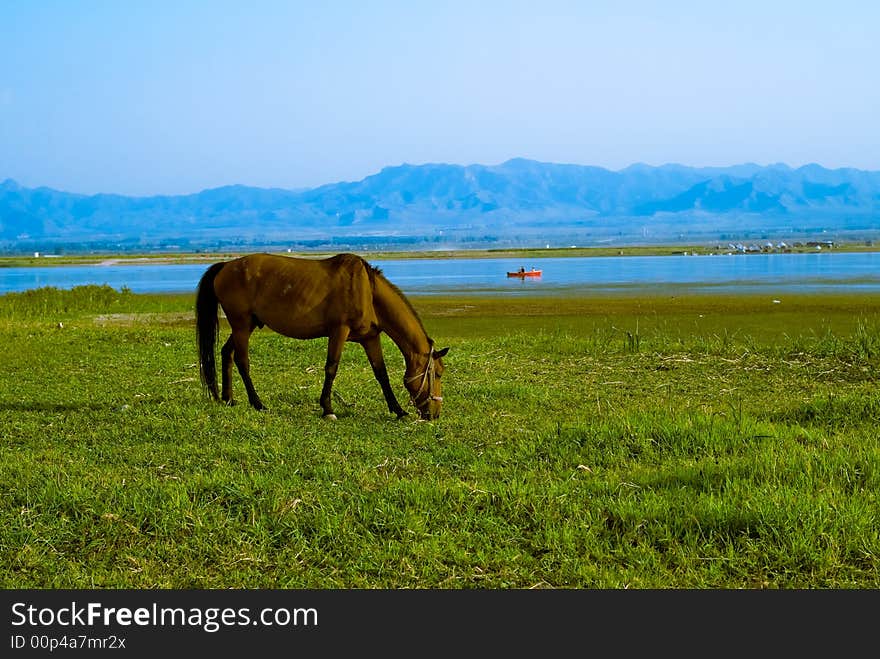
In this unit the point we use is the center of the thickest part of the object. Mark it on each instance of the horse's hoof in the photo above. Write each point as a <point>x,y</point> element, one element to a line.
<point>402,415</point>
<point>329,417</point>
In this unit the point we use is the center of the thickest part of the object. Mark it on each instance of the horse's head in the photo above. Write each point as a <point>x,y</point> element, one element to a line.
<point>422,380</point>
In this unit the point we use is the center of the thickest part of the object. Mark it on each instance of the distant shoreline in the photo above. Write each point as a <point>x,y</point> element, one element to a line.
<point>48,260</point>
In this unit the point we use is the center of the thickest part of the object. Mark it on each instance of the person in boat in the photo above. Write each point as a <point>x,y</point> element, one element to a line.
<point>521,269</point>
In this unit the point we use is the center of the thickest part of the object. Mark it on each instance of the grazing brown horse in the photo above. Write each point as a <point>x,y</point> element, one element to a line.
<point>343,298</point>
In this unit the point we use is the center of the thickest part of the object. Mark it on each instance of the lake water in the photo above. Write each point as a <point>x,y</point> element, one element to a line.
<point>772,273</point>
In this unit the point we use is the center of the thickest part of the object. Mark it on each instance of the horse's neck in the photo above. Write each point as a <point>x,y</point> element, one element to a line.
<point>399,321</point>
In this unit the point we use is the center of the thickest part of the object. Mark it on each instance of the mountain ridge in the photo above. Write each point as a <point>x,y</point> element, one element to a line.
<point>518,199</point>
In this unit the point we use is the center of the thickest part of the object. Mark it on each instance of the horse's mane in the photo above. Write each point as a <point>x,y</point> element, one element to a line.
<point>374,273</point>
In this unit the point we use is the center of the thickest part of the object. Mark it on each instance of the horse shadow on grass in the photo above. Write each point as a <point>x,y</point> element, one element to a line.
<point>52,407</point>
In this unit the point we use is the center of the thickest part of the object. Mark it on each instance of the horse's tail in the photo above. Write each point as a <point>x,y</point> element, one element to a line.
<point>208,328</point>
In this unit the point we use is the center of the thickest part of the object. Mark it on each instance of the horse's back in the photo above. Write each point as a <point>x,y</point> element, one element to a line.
<point>297,297</point>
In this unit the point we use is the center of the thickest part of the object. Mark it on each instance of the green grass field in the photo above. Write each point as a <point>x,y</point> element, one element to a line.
<point>662,441</point>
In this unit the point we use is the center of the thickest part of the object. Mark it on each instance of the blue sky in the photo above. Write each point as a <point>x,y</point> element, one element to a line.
<point>174,97</point>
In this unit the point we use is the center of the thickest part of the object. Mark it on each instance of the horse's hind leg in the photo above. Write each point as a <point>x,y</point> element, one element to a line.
<point>373,348</point>
<point>226,371</point>
<point>241,334</point>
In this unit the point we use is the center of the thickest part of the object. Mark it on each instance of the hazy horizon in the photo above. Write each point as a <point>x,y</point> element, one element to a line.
<point>173,98</point>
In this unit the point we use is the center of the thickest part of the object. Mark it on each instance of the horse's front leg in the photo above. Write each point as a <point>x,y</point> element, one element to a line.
<point>373,348</point>
<point>335,344</point>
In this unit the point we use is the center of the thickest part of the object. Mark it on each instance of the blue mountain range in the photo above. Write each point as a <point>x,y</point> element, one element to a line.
<point>518,199</point>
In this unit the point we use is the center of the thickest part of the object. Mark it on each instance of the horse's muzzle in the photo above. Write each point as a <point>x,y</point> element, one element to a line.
<point>430,409</point>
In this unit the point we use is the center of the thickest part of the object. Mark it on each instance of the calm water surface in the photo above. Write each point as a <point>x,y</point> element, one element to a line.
<point>820,272</point>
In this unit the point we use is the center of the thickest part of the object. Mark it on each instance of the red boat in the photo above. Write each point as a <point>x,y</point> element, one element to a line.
<point>525,273</point>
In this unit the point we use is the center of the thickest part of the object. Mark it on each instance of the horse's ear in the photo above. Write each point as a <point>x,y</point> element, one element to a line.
<point>440,353</point>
